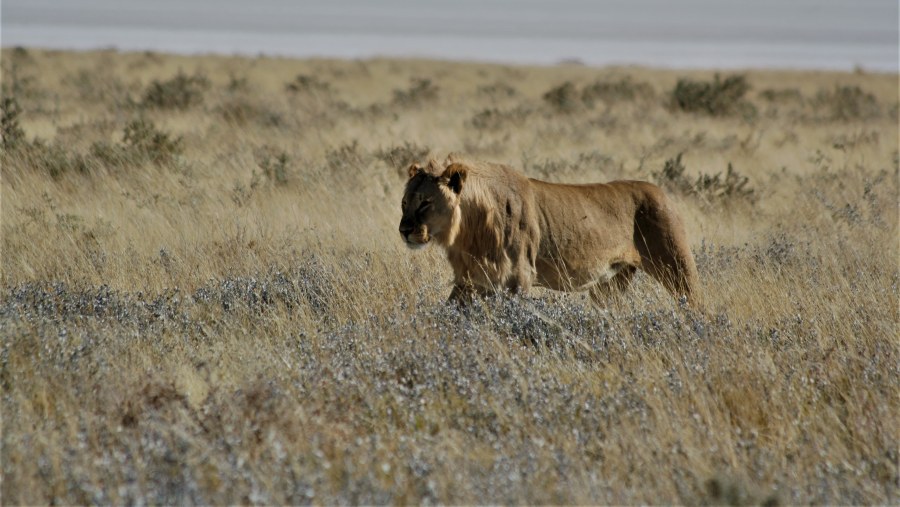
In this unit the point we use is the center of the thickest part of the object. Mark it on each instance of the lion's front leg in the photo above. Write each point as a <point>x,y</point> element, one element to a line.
<point>518,286</point>
<point>522,275</point>
<point>460,294</point>
<point>464,292</point>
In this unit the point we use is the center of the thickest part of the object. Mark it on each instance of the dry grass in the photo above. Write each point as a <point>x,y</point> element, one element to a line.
<point>205,299</point>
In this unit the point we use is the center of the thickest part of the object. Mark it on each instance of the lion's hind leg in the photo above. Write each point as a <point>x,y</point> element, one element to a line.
<point>665,254</point>
<point>604,293</point>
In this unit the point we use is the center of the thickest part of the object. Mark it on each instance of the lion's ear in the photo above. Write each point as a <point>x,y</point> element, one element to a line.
<point>454,176</point>
<point>414,169</point>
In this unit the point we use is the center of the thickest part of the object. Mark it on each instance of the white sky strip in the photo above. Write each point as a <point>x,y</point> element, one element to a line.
<point>826,34</point>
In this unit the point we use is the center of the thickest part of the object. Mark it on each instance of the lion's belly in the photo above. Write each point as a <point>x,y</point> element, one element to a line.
<point>562,277</point>
<point>587,241</point>
<point>579,264</point>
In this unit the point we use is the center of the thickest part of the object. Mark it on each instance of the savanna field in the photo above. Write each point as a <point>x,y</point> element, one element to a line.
<point>205,299</point>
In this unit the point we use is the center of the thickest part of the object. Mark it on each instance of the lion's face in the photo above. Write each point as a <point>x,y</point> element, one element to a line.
<point>428,206</point>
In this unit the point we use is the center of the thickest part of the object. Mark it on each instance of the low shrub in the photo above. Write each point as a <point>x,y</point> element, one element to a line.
<point>497,90</point>
<point>143,138</point>
<point>274,164</point>
<point>847,103</point>
<point>346,156</point>
<point>141,143</point>
<point>781,95</point>
<point>558,169</point>
<point>56,160</point>
<point>419,92</point>
<point>38,154</point>
<point>622,90</point>
<point>487,119</point>
<point>401,156</point>
<point>564,98</point>
<point>305,83</point>
<point>180,92</point>
<point>719,97</point>
<point>17,80</point>
<point>710,187</point>
<point>240,110</point>
<point>98,85</point>
<point>495,119</point>
<point>11,129</point>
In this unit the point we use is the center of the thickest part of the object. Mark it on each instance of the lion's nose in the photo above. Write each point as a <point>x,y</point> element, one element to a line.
<point>405,229</point>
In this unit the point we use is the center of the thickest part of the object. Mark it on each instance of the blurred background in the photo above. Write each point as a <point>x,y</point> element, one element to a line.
<point>810,34</point>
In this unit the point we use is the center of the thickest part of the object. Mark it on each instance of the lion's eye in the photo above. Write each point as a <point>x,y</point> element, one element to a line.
<point>424,206</point>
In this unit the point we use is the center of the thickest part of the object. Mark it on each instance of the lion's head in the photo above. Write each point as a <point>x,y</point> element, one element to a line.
<point>431,204</point>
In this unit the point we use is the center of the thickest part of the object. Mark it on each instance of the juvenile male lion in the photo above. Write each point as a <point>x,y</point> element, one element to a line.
<point>502,230</point>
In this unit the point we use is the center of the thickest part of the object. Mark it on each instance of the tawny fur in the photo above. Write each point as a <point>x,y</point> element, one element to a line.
<point>502,230</point>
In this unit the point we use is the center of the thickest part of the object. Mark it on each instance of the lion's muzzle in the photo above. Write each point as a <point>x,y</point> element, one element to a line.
<point>414,238</point>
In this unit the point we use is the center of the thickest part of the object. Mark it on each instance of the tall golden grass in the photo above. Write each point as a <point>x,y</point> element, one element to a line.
<point>205,298</point>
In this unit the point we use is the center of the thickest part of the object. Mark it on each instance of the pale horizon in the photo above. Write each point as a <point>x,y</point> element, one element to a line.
<point>827,35</point>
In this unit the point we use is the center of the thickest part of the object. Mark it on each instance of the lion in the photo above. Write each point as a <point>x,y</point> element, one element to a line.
<point>504,231</point>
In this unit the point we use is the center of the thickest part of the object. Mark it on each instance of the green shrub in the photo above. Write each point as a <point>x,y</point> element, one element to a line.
<point>496,119</point>
<point>781,95</point>
<point>557,169</point>
<point>346,156</point>
<point>622,90</point>
<point>53,159</point>
<point>237,84</point>
<point>98,85</point>
<point>401,156</point>
<point>141,137</point>
<point>497,90</point>
<point>727,186</point>
<point>488,119</point>
<point>566,98</point>
<point>419,92</point>
<point>180,92</point>
<point>141,143</point>
<point>716,98</point>
<point>16,82</point>
<point>56,160</point>
<point>306,83</point>
<point>563,98</point>
<point>109,155</point>
<point>847,103</point>
<point>13,135</point>
<point>711,188</point>
<point>240,110</point>
<point>274,164</point>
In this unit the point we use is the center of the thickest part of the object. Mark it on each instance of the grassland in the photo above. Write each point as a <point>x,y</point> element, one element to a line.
<point>205,298</point>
